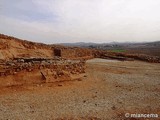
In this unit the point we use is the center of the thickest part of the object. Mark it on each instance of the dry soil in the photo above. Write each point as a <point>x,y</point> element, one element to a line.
<point>107,91</point>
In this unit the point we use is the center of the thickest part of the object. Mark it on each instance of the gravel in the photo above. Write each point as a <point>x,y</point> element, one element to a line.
<point>105,93</point>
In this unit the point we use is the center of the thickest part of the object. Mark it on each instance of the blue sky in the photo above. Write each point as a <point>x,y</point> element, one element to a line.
<point>56,21</point>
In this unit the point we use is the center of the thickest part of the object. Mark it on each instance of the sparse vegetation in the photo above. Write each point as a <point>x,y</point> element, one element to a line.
<point>118,50</point>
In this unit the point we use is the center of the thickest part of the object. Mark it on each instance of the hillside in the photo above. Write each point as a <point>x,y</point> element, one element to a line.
<point>11,47</point>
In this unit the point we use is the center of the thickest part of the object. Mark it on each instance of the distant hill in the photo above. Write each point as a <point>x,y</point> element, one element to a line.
<point>112,44</point>
<point>78,44</point>
<point>150,48</point>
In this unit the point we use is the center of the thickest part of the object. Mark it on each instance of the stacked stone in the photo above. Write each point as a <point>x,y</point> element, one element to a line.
<point>14,66</point>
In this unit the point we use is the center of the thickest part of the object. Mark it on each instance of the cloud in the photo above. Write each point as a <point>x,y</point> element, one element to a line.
<point>83,20</point>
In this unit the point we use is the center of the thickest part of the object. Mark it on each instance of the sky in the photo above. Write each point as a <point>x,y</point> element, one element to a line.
<point>67,21</point>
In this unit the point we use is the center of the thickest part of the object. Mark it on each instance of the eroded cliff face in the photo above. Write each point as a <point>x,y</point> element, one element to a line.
<point>11,47</point>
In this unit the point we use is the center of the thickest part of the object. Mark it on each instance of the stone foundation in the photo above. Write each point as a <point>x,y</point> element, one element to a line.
<point>39,70</point>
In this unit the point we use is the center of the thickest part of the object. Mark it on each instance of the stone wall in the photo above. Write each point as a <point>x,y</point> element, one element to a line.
<point>37,70</point>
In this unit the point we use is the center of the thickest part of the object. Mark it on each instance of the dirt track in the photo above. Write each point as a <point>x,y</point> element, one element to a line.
<point>106,92</point>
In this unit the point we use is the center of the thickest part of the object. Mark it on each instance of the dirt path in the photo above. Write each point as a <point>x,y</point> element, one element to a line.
<point>107,91</point>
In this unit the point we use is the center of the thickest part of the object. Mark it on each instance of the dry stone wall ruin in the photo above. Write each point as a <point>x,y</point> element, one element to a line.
<point>49,70</point>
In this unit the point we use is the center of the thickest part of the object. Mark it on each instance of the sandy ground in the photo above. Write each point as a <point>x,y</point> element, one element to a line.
<point>107,91</point>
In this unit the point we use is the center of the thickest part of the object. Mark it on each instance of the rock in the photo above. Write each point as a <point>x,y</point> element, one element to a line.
<point>113,107</point>
<point>85,76</point>
<point>29,70</point>
<point>14,73</point>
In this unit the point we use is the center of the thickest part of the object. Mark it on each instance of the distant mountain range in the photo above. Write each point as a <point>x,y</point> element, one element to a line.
<point>150,48</point>
<point>112,44</point>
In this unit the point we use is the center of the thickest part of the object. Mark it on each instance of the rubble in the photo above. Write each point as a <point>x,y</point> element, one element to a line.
<point>50,69</point>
